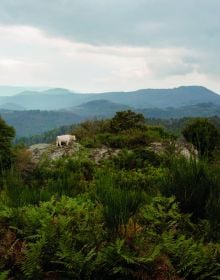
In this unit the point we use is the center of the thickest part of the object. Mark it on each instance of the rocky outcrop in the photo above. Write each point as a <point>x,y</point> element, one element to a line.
<point>178,147</point>
<point>51,151</point>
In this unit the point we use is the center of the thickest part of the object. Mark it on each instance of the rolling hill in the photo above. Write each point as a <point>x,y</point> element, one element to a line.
<point>32,122</point>
<point>197,110</point>
<point>98,108</point>
<point>55,99</point>
<point>57,107</point>
<point>12,90</point>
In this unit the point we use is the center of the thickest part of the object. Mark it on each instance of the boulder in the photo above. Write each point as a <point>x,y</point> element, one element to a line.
<point>51,151</point>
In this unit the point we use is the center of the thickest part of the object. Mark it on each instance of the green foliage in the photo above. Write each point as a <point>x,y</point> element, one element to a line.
<point>15,193</point>
<point>136,159</point>
<point>46,137</point>
<point>87,132</point>
<point>132,138</point>
<point>213,205</point>
<point>66,239</point>
<point>191,259</point>
<point>4,275</point>
<point>164,223</point>
<point>195,185</point>
<point>137,215</point>
<point>7,133</point>
<point>162,215</point>
<point>119,202</point>
<point>117,261</point>
<point>203,135</point>
<point>125,120</point>
<point>61,237</point>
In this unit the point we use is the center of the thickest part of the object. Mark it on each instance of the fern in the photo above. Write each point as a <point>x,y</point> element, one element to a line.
<point>193,259</point>
<point>4,275</point>
<point>32,268</point>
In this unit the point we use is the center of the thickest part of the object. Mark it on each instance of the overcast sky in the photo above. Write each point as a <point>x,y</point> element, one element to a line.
<point>109,45</point>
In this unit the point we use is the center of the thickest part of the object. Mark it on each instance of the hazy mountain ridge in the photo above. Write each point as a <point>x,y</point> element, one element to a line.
<point>56,107</point>
<point>13,90</point>
<point>33,122</point>
<point>12,107</point>
<point>197,110</point>
<point>56,99</point>
<point>98,108</point>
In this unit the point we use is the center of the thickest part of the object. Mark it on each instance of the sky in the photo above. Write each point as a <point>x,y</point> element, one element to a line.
<point>110,45</point>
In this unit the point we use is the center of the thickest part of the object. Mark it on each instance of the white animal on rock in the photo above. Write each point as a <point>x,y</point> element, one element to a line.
<point>65,139</point>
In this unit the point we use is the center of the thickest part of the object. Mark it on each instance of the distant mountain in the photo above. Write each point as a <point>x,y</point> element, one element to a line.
<point>58,91</point>
<point>52,91</point>
<point>11,107</point>
<point>56,99</point>
<point>162,98</point>
<point>51,99</point>
<point>106,109</point>
<point>12,90</point>
<point>98,108</point>
<point>198,110</point>
<point>73,108</point>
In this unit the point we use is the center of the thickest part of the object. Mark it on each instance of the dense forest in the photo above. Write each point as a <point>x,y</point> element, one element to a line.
<point>33,122</point>
<point>149,210</point>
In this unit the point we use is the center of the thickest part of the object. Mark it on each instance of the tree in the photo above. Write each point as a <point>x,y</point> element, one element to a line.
<point>125,120</point>
<point>7,133</point>
<point>203,135</point>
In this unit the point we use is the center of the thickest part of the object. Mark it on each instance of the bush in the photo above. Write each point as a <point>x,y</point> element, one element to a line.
<point>136,159</point>
<point>191,183</point>
<point>89,129</point>
<point>126,120</point>
<point>203,135</point>
<point>129,139</point>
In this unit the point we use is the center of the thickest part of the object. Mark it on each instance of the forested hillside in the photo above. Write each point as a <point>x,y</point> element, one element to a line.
<point>32,112</point>
<point>58,98</point>
<point>33,122</point>
<point>127,200</point>
<point>28,123</point>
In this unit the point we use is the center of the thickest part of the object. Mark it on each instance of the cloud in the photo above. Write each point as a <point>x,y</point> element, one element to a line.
<point>96,45</point>
<point>121,22</point>
<point>53,61</point>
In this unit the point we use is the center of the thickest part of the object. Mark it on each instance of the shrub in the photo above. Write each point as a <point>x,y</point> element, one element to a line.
<point>191,183</point>
<point>126,120</point>
<point>137,158</point>
<point>203,135</point>
<point>87,131</point>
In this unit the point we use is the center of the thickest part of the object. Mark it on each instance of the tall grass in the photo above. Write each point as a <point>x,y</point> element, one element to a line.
<point>15,193</point>
<point>119,204</point>
<point>190,181</point>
